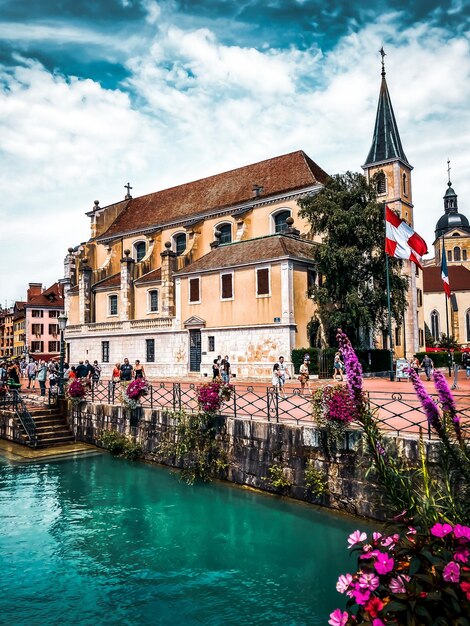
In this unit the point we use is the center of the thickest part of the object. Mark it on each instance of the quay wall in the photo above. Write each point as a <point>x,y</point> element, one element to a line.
<point>253,447</point>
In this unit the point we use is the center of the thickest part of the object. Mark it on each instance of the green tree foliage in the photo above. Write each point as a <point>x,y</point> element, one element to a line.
<point>352,293</point>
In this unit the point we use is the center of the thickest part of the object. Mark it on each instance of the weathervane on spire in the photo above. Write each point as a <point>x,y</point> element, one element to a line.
<point>382,54</point>
<point>448,173</point>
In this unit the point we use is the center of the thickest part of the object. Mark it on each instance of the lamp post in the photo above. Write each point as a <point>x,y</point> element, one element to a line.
<point>62,320</point>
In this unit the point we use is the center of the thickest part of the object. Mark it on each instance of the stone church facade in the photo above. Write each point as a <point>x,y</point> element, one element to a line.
<point>218,266</point>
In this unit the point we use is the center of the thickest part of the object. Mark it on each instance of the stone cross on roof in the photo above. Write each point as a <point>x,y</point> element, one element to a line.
<point>128,194</point>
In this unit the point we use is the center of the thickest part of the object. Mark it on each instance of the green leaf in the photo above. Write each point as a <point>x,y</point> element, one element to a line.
<point>415,565</point>
<point>395,606</point>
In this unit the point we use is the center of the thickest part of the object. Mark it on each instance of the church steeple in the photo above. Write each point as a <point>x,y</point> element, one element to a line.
<point>386,142</point>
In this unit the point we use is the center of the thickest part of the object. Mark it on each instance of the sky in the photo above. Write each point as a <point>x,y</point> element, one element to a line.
<point>96,93</point>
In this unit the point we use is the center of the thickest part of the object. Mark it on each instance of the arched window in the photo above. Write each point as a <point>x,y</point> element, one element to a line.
<point>404,184</point>
<point>381,183</point>
<point>280,224</point>
<point>435,330</point>
<point>140,248</point>
<point>180,243</point>
<point>449,255</point>
<point>456,253</point>
<point>153,301</point>
<point>467,323</point>
<point>225,233</point>
<point>112,304</point>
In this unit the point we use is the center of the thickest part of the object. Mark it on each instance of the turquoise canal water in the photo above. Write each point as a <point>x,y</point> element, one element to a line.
<point>100,541</point>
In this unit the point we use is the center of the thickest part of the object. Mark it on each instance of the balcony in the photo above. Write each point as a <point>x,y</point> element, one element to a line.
<point>165,323</point>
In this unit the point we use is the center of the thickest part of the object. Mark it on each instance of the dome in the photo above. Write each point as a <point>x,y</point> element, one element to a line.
<point>449,221</point>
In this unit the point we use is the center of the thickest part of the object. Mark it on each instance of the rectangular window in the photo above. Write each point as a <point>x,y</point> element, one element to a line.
<point>150,350</point>
<point>54,346</point>
<point>105,351</point>
<point>262,282</point>
<point>226,282</point>
<point>464,255</point>
<point>153,301</point>
<point>53,329</point>
<point>311,280</point>
<point>35,313</point>
<point>194,290</point>
<point>37,329</point>
<point>449,255</point>
<point>37,346</point>
<point>54,313</point>
<point>419,297</point>
<point>421,337</point>
<point>398,336</point>
<point>113,305</point>
<point>210,343</point>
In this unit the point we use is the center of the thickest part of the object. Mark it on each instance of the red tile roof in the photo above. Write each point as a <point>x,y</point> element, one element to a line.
<point>286,173</point>
<point>151,277</point>
<point>252,251</point>
<point>51,298</point>
<point>459,279</point>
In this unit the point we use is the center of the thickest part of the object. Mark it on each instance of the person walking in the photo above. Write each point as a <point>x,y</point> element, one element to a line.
<point>215,370</point>
<point>284,374</point>
<point>31,371</point>
<point>81,370</point>
<point>276,377</point>
<point>139,371</point>
<point>96,374</point>
<point>304,374</point>
<point>415,364</point>
<point>42,377</point>
<point>14,376</point>
<point>225,370</point>
<point>116,375</point>
<point>466,363</point>
<point>428,365</point>
<point>125,371</point>
<point>338,367</point>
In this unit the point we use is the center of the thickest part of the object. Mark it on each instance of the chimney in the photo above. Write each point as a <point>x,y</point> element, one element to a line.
<point>34,289</point>
<point>257,190</point>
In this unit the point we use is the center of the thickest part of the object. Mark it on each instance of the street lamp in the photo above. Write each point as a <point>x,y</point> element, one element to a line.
<point>62,320</point>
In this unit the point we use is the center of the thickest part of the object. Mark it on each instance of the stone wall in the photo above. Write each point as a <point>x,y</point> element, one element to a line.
<point>254,446</point>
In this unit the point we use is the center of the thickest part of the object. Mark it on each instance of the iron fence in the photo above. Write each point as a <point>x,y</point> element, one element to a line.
<point>397,413</point>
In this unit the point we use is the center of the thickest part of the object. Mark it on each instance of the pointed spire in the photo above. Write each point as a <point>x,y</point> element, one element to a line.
<point>386,142</point>
<point>450,197</point>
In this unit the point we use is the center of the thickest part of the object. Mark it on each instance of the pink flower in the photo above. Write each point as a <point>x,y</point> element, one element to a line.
<point>361,596</point>
<point>343,583</point>
<point>462,554</point>
<point>451,573</point>
<point>376,536</point>
<point>355,538</point>
<point>384,563</point>
<point>441,530</point>
<point>411,530</point>
<point>462,532</point>
<point>369,581</point>
<point>397,586</point>
<point>390,541</point>
<point>377,622</point>
<point>338,618</point>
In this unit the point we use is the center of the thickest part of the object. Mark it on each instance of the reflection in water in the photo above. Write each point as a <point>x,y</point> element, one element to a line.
<point>97,541</point>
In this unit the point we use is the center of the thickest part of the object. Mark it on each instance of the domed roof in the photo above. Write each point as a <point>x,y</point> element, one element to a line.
<point>449,221</point>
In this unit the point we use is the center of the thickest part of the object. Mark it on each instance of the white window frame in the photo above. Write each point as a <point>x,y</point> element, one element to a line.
<point>273,216</point>
<point>233,286</point>
<point>149,300</point>
<point>135,244</point>
<point>110,295</point>
<point>190,278</point>
<point>263,267</point>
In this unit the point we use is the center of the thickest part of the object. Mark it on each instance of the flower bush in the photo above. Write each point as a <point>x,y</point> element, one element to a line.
<point>76,391</point>
<point>133,393</point>
<point>333,403</point>
<point>408,577</point>
<point>211,396</point>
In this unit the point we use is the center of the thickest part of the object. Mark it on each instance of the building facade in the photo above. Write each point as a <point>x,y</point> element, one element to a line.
<point>42,309</point>
<point>6,333</point>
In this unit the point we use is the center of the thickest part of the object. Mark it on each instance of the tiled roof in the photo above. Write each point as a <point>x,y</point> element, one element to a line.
<point>51,297</point>
<point>251,251</point>
<point>459,279</point>
<point>111,282</point>
<point>282,174</point>
<point>19,311</point>
<point>151,277</point>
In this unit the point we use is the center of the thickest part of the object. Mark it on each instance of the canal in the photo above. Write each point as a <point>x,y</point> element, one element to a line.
<point>100,541</point>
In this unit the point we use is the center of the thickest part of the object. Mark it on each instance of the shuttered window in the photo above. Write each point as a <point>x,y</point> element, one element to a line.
<point>194,295</point>
<point>227,286</point>
<point>262,282</point>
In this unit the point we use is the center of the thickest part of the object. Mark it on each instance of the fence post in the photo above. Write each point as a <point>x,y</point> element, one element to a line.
<point>176,396</point>
<point>110,382</point>
<point>235,402</point>
<point>92,391</point>
<point>151,396</point>
<point>272,403</point>
<point>113,390</point>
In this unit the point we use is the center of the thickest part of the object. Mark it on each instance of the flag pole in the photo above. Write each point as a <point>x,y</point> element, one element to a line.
<point>392,375</point>
<point>447,317</point>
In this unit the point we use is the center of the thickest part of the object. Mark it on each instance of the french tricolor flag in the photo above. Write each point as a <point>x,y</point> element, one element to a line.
<point>445,271</point>
<point>401,241</point>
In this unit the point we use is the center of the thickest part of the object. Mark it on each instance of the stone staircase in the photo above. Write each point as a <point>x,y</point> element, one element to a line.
<point>51,427</point>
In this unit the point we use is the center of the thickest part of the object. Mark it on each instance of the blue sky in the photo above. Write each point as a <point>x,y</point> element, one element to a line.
<point>96,93</point>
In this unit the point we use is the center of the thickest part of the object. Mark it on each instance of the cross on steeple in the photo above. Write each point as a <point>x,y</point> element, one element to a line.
<point>448,172</point>
<point>383,54</point>
<point>128,194</point>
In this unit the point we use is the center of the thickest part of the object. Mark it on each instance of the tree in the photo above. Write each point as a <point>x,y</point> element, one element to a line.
<point>351,292</point>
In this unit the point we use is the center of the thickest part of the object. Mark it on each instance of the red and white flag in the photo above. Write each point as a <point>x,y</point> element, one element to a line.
<point>401,241</point>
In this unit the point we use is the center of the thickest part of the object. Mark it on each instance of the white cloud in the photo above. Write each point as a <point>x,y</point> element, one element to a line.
<point>198,106</point>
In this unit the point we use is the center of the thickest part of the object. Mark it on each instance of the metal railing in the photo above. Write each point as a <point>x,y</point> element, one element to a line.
<point>12,401</point>
<point>397,413</point>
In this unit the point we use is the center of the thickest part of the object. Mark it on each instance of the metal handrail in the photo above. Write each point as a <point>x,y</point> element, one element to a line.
<point>15,401</point>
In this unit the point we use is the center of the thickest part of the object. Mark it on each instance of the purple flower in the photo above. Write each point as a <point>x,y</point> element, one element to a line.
<point>428,404</point>
<point>356,537</point>
<point>441,530</point>
<point>368,580</point>
<point>384,563</point>
<point>462,532</point>
<point>343,583</point>
<point>338,618</point>
<point>447,400</point>
<point>397,585</point>
<point>353,370</point>
<point>451,573</point>
<point>377,622</point>
<point>462,554</point>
